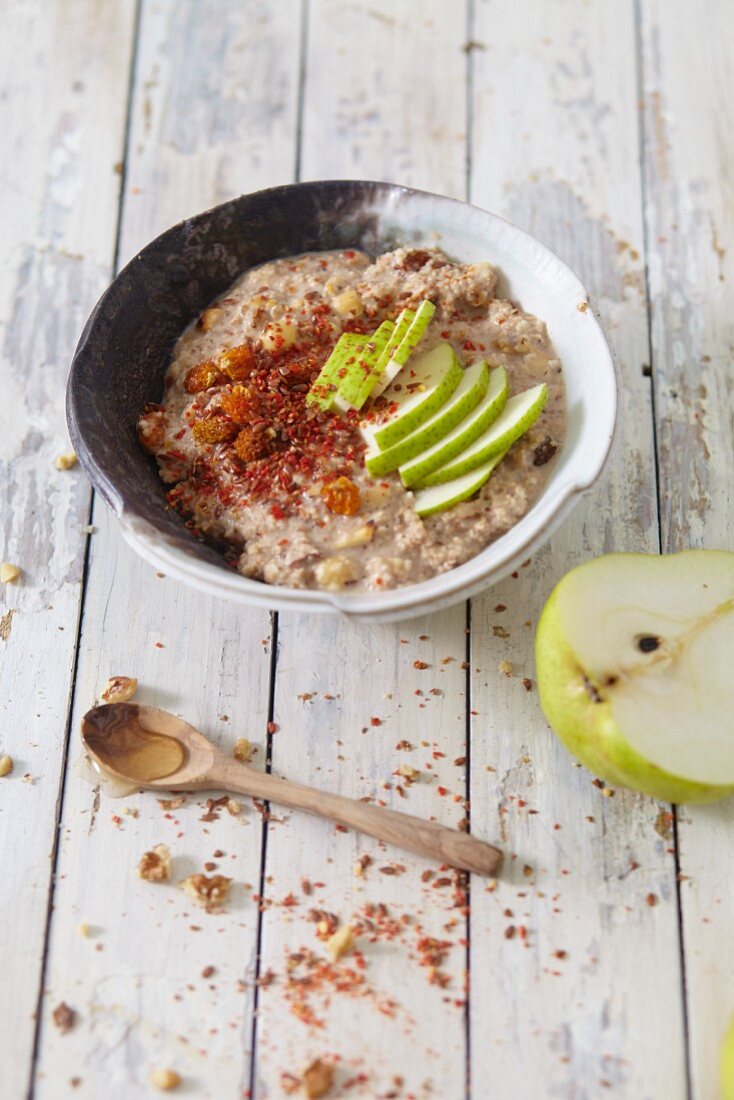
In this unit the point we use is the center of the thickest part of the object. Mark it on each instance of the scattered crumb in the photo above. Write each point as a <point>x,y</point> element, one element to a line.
<point>9,573</point>
<point>64,1017</point>
<point>155,866</point>
<point>318,1079</point>
<point>66,461</point>
<point>505,668</point>
<point>83,929</point>
<point>165,1079</point>
<point>209,892</point>
<point>6,765</point>
<point>243,750</point>
<point>168,804</point>
<point>234,807</point>
<point>582,307</point>
<point>119,689</point>
<point>341,943</point>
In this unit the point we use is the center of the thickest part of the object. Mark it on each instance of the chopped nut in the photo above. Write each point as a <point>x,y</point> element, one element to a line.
<point>66,461</point>
<point>334,573</point>
<point>6,765</point>
<point>119,689</point>
<point>341,943</point>
<point>9,573</point>
<point>505,668</point>
<point>243,750</point>
<point>411,774</point>
<point>64,1017</point>
<point>208,892</point>
<point>278,336</point>
<point>318,1079</point>
<point>83,929</point>
<point>208,319</point>
<point>360,536</point>
<point>234,807</point>
<point>165,1079</point>
<point>168,804</point>
<point>348,303</point>
<point>155,866</point>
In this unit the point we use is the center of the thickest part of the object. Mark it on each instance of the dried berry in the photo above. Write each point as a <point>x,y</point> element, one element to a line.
<point>218,429</point>
<point>342,497</point>
<point>250,445</point>
<point>240,404</point>
<point>237,363</point>
<point>544,452</point>
<point>202,377</point>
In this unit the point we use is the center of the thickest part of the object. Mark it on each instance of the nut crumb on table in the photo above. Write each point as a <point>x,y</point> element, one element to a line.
<point>209,892</point>
<point>155,865</point>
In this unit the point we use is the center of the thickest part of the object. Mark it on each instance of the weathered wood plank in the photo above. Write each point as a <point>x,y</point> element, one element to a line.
<point>140,981</point>
<point>372,112</point>
<point>688,65</point>
<point>574,956</point>
<point>62,123</point>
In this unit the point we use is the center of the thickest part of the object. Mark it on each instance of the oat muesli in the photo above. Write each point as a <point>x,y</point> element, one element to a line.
<point>279,482</point>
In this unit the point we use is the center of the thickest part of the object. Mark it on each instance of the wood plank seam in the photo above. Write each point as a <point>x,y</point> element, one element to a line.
<point>252,1083</point>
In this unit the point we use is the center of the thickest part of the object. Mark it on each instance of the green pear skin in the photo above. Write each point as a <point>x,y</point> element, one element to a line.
<point>586,726</point>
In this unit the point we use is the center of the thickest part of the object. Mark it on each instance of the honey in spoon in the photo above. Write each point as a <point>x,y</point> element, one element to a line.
<point>120,742</point>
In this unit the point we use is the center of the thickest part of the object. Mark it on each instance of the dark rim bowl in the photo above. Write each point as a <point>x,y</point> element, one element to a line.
<point>126,346</point>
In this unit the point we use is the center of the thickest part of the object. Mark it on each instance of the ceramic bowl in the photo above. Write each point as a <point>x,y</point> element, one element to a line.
<point>126,346</point>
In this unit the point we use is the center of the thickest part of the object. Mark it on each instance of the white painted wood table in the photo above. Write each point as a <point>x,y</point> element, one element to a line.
<point>602,962</point>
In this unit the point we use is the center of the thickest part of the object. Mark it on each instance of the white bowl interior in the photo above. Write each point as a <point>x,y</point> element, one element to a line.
<point>540,283</point>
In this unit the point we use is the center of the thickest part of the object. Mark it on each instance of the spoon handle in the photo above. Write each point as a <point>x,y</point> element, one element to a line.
<point>403,830</point>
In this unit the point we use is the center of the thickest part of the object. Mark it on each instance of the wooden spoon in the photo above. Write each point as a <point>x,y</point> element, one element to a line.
<point>156,750</point>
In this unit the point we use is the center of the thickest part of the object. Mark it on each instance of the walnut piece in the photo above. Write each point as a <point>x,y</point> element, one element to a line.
<point>64,1017</point>
<point>155,866</point>
<point>209,891</point>
<point>9,573</point>
<point>278,336</point>
<point>348,303</point>
<point>243,750</point>
<point>165,1079</point>
<point>119,689</point>
<point>208,319</point>
<point>318,1079</point>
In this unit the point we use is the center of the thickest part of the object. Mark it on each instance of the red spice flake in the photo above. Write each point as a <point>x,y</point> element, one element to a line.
<point>207,972</point>
<point>273,727</point>
<point>404,746</point>
<point>510,932</point>
<point>427,875</point>
<point>420,665</point>
<point>527,684</point>
<point>560,954</point>
<point>375,721</point>
<point>306,887</point>
<point>442,791</point>
<point>651,899</point>
<point>441,882</point>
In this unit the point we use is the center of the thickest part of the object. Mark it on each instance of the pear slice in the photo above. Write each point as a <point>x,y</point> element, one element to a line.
<point>727,1064</point>
<point>635,655</point>
<point>519,414</point>
<point>356,386</point>
<point>417,394</point>
<point>415,471</point>
<point>464,399</point>
<point>345,356</point>
<point>439,498</point>
<point>398,357</point>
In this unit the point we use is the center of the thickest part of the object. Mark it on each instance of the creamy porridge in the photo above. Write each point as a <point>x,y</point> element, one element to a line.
<point>279,483</point>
